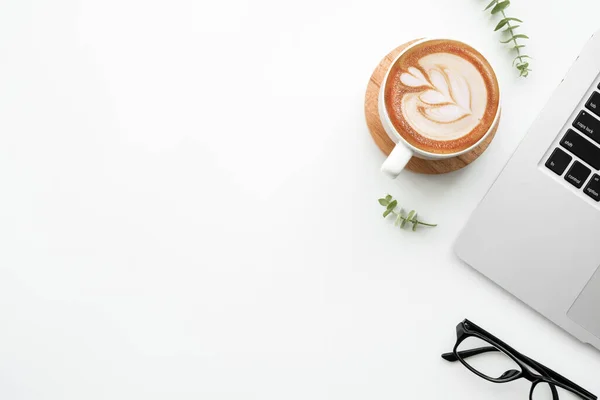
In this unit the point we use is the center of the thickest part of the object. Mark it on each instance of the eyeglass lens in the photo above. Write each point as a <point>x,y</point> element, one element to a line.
<point>491,362</point>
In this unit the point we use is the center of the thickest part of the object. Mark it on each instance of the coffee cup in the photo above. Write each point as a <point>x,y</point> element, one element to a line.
<point>439,99</point>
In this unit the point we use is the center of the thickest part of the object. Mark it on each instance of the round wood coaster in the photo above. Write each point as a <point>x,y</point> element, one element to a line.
<point>386,144</point>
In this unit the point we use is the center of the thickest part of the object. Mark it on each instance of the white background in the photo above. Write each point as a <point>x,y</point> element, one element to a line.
<point>188,203</point>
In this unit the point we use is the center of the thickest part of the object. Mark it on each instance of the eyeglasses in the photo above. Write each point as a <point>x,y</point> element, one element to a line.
<point>492,359</point>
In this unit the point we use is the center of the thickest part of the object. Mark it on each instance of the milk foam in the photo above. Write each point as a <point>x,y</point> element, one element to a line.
<point>452,101</point>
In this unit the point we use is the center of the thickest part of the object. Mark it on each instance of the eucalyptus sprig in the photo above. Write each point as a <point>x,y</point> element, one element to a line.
<point>510,25</point>
<point>401,218</point>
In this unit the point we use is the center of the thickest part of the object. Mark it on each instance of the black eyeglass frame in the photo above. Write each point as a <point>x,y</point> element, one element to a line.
<point>467,329</point>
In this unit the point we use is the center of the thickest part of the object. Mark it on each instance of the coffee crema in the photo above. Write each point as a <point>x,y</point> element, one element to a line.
<point>442,96</point>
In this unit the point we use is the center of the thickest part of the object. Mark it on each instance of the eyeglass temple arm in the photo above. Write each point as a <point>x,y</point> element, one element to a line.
<point>468,353</point>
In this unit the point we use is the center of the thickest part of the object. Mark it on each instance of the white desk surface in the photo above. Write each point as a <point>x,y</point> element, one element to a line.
<point>189,211</point>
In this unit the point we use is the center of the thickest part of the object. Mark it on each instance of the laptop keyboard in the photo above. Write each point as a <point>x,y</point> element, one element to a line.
<point>581,143</point>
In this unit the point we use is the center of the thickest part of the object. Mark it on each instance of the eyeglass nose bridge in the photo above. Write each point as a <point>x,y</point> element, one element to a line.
<point>511,373</point>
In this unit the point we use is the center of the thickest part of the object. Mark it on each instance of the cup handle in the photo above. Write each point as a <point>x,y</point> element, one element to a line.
<point>396,161</point>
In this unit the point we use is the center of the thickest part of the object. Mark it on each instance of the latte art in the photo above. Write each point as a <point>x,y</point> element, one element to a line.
<point>442,95</point>
<point>448,97</point>
<point>443,108</point>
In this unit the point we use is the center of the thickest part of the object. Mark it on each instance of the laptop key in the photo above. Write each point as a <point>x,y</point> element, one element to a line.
<point>558,161</point>
<point>593,103</point>
<point>588,125</point>
<point>582,148</point>
<point>577,174</point>
<point>592,189</point>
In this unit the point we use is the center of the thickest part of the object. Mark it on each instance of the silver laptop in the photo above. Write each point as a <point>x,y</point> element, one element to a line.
<point>536,233</point>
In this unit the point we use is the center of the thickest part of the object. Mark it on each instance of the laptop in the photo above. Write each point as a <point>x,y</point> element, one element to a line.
<point>536,233</point>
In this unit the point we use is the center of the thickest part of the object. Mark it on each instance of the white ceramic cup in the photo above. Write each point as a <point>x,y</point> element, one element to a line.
<point>404,151</point>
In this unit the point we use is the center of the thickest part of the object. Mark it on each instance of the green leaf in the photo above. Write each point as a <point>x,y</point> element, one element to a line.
<point>392,205</point>
<point>383,202</point>
<point>501,6</point>
<point>408,218</point>
<point>403,223</point>
<point>388,197</point>
<point>511,29</point>
<point>519,46</point>
<point>507,20</point>
<point>501,24</point>
<point>415,222</point>
<point>523,67</point>
<point>523,72</point>
<point>518,58</point>
<point>490,5</point>
<point>398,219</point>
<point>515,37</point>
<point>386,213</point>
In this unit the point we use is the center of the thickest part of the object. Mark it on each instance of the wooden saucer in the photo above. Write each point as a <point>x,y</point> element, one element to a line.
<point>386,145</point>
